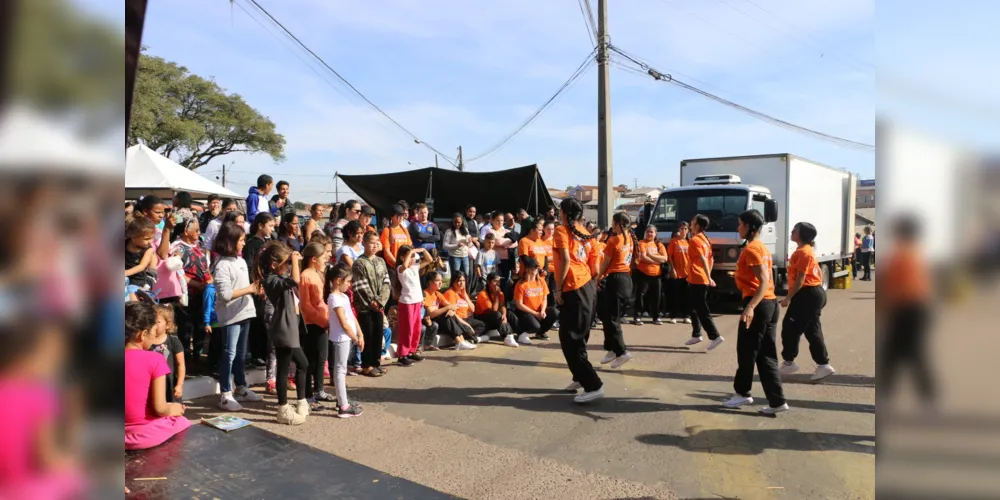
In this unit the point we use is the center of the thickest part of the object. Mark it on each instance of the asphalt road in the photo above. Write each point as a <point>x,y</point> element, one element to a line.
<point>493,423</point>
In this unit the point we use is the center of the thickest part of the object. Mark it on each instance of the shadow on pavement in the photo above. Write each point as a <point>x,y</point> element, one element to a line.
<point>665,349</point>
<point>756,441</point>
<point>799,403</point>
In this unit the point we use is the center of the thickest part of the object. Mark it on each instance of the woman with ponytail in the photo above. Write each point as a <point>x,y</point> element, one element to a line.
<point>805,302</point>
<point>756,344</point>
<point>699,280</point>
<point>615,296</point>
<point>575,294</point>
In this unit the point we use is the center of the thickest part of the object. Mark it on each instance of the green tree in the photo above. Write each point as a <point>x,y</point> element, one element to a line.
<point>193,120</point>
<point>300,205</point>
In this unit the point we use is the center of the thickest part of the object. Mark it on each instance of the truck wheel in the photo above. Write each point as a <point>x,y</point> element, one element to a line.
<point>825,269</point>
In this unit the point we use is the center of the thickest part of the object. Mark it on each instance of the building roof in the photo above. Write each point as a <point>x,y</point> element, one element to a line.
<point>585,187</point>
<point>867,214</point>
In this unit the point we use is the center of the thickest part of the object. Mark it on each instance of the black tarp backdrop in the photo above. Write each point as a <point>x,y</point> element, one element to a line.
<point>452,191</point>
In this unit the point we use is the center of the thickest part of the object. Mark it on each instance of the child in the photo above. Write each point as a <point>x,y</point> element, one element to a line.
<point>315,315</point>
<point>344,330</point>
<point>486,260</point>
<point>434,263</point>
<point>140,257</point>
<point>411,295</point>
<point>169,345</point>
<point>283,327</point>
<point>149,418</point>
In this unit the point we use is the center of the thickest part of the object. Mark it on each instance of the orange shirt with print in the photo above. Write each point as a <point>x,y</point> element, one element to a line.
<point>677,251</point>
<point>803,261</point>
<point>548,253</point>
<point>650,248</point>
<point>906,279</point>
<point>392,239</point>
<point>753,255</point>
<point>531,293</point>
<point>619,250</point>
<point>578,273</point>
<point>595,254</point>
<point>464,306</point>
<point>534,248</point>
<point>435,300</point>
<point>484,303</point>
<point>699,247</point>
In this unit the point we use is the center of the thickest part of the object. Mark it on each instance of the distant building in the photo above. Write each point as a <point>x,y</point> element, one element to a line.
<point>866,193</point>
<point>584,193</point>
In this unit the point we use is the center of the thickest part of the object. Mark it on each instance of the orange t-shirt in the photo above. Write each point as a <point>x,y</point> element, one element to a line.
<point>531,293</point>
<point>464,306</point>
<point>906,279</point>
<point>535,248</point>
<point>595,254</point>
<point>392,239</point>
<point>753,255</point>
<point>677,250</point>
<point>699,247</point>
<point>579,272</point>
<point>484,304</point>
<point>435,300</point>
<point>548,254</point>
<point>803,261</point>
<point>619,249</point>
<point>650,248</point>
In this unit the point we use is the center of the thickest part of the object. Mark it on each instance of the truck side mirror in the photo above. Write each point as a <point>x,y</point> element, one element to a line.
<point>770,210</point>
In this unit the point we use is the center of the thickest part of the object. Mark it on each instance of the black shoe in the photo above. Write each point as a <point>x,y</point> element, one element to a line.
<point>416,357</point>
<point>405,361</point>
<point>542,336</point>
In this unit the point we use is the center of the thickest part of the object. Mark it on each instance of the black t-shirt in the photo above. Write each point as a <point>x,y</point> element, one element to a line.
<point>169,349</point>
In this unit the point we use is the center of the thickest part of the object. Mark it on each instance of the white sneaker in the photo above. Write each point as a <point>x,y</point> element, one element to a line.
<point>245,394</point>
<point>788,368</point>
<point>693,341</point>
<point>484,338</point>
<point>510,341</point>
<point>768,410</point>
<point>715,343</point>
<point>672,321</point>
<point>589,396</point>
<point>621,360</point>
<point>822,371</point>
<point>465,345</point>
<point>686,321</point>
<point>737,401</point>
<point>302,407</point>
<point>524,339</point>
<point>575,386</point>
<point>226,402</point>
<point>609,357</point>
<point>288,416</point>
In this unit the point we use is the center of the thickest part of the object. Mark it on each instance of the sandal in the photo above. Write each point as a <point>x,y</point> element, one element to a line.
<point>374,373</point>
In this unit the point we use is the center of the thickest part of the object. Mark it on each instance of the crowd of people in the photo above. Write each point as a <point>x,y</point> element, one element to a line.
<point>331,297</point>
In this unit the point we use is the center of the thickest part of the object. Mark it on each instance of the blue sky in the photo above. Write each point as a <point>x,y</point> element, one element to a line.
<point>466,73</point>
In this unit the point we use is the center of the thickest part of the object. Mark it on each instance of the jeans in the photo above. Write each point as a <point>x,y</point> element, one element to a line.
<point>341,350</point>
<point>456,264</point>
<point>387,340</point>
<point>232,355</point>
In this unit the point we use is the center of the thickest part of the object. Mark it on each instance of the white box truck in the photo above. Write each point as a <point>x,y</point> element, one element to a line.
<point>785,188</point>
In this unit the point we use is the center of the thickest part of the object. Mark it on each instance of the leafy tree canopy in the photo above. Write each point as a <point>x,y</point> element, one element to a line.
<point>193,120</point>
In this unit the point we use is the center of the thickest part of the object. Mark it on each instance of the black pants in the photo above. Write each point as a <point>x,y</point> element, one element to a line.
<point>494,321</point>
<point>676,300</point>
<point>527,323</point>
<point>451,327</point>
<point>856,264</point>
<point>190,327</point>
<point>647,295</point>
<point>478,328</point>
<point>612,305</point>
<point>428,334</point>
<point>315,344</point>
<point>866,265</point>
<point>371,328</point>
<point>701,316</point>
<point>756,346</point>
<point>906,343</point>
<point>257,342</point>
<point>575,315</point>
<point>285,356</point>
<point>802,317</point>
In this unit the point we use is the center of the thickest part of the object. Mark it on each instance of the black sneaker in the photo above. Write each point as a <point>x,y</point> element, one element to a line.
<point>405,361</point>
<point>351,411</point>
<point>416,357</point>
<point>542,336</point>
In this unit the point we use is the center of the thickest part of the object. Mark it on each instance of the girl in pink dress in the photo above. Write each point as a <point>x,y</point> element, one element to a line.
<point>149,419</point>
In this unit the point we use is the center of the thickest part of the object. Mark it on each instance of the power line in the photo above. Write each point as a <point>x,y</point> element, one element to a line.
<point>346,82</point>
<point>580,70</point>
<point>591,33</point>
<point>657,75</point>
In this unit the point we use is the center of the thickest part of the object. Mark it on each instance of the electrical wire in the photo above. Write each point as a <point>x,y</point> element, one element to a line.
<point>591,33</point>
<point>667,78</point>
<point>351,86</point>
<point>580,70</point>
<point>590,19</point>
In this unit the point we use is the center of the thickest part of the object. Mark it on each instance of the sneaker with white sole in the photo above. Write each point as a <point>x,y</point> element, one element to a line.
<point>589,396</point>
<point>228,403</point>
<point>715,343</point>
<point>510,341</point>
<point>693,341</point>
<point>484,338</point>
<point>773,410</point>
<point>636,322</point>
<point>822,371</point>
<point>609,357</point>
<point>288,416</point>
<point>788,368</point>
<point>621,360</point>
<point>245,394</point>
<point>324,396</point>
<point>737,401</point>
<point>657,322</point>
<point>302,407</point>
<point>672,321</point>
<point>524,339</point>
<point>686,321</point>
<point>353,410</point>
<point>465,345</point>
<point>575,386</point>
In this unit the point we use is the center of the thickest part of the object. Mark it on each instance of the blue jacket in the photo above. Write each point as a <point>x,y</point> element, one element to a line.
<point>256,202</point>
<point>208,310</point>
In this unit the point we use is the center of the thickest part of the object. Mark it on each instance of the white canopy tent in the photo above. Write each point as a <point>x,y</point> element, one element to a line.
<point>32,143</point>
<point>148,172</point>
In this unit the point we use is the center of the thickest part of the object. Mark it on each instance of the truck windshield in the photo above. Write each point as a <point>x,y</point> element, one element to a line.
<point>721,206</point>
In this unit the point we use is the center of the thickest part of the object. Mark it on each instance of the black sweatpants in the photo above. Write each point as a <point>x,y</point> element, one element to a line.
<point>494,321</point>
<point>452,328</point>
<point>575,316</point>
<point>647,295</point>
<point>612,305</point>
<point>527,323</point>
<point>803,317</point>
<point>756,346</point>
<point>866,265</point>
<point>906,343</point>
<point>314,343</point>
<point>676,289</point>
<point>371,328</point>
<point>257,341</point>
<point>285,356</point>
<point>701,316</point>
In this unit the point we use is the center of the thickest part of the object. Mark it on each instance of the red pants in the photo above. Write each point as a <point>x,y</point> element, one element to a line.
<point>408,335</point>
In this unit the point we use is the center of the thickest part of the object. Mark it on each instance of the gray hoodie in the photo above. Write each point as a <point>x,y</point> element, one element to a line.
<point>230,275</point>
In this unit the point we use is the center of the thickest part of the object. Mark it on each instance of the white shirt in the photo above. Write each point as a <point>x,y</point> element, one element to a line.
<point>409,281</point>
<point>337,332</point>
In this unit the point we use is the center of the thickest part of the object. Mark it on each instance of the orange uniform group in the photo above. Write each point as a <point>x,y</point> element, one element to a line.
<point>531,293</point>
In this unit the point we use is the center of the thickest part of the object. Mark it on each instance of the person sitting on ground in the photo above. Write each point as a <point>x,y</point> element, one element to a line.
<point>491,309</point>
<point>445,314</point>
<point>534,315</point>
<point>457,294</point>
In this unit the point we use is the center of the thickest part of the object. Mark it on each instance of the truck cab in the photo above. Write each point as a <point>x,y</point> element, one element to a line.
<point>721,198</point>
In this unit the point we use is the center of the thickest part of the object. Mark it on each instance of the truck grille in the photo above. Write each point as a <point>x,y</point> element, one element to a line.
<point>722,252</point>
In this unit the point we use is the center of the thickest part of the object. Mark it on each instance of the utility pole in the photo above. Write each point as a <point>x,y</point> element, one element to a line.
<point>435,161</point>
<point>336,187</point>
<point>605,192</point>
<point>461,166</point>
<point>223,175</point>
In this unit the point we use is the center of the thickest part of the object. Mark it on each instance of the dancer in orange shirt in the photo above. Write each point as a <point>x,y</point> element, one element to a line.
<point>652,255</point>
<point>805,302</point>
<point>699,279</point>
<point>615,295</point>
<point>677,253</point>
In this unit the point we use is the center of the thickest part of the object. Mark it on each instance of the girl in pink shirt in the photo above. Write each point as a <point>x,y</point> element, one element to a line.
<point>149,419</point>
